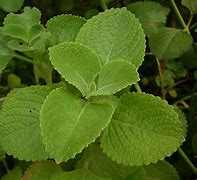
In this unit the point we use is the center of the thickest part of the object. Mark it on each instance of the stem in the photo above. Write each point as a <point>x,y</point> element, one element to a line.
<point>137,87</point>
<point>179,16</point>
<point>23,58</point>
<point>184,98</point>
<point>161,78</point>
<point>5,165</point>
<point>103,5</point>
<point>189,22</point>
<point>187,160</point>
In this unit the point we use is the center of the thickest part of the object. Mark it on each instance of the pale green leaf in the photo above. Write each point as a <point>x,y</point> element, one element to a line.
<point>64,28</point>
<point>114,34</point>
<point>19,123</point>
<point>74,122</point>
<point>11,5</point>
<point>151,15</point>
<point>76,63</point>
<point>191,5</point>
<point>14,174</point>
<point>143,130</point>
<point>114,76</point>
<point>169,43</point>
<point>41,170</point>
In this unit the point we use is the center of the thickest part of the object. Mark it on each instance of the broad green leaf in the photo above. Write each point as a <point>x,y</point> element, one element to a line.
<point>64,28</point>
<point>74,122</point>
<point>14,174</point>
<point>114,34</point>
<point>79,174</point>
<point>11,5</point>
<point>2,153</point>
<point>41,170</point>
<point>143,130</point>
<point>150,14</point>
<point>76,63</point>
<point>114,76</point>
<point>191,5</point>
<point>169,43</point>
<point>19,123</point>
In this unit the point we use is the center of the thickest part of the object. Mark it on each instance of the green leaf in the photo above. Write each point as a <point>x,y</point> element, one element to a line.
<point>115,76</point>
<point>2,153</point>
<point>41,170</point>
<point>79,174</point>
<point>73,121</point>
<point>114,34</point>
<point>14,174</point>
<point>76,63</point>
<point>169,43</point>
<point>143,130</point>
<point>19,123</point>
<point>150,14</point>
<point>191,5</point>
<point>64,28</point>
<point>11,5</point>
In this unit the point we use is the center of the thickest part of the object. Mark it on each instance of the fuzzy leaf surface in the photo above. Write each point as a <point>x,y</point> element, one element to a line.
<point>76,63</point>
<point>20,134</point>
<point>64,28</point>
<point>14,174</point>
<point>169,43</point>
<point>150,14</point>
<point>11,5</point>
<point>143,130</point>
<point>74,123</point>
<point>191,5</point>
<point>114,34</point>
<point>115,76</point>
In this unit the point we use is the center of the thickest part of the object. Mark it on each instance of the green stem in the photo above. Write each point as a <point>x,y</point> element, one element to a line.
<point>184,98</point>
<point>187,160</point>
<point>189,22</point>
<point>137,87</point>
<point>179,16</point>
<point>161,78</point>
<point>23,58</point>
<point>103,5</point>
<point>5,165</point>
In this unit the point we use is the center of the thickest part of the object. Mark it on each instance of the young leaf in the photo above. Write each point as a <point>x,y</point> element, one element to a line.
<point>150,14</point>
<point>14,174</point>
<point>68,124</point>
<point>169,43</point>
<point>41,170</point>
<point>64,28</point>
<point>143,130</point>
<point>76,63</point>
<point>19,123</point>
<point>11,5</point>
<point>191,5</point>
<point>115,76</point>
<point>114,34</point>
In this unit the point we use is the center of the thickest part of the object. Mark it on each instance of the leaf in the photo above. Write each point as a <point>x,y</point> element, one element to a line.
<point>114,34</point>
<point>191,5</point>
<point>14,174</point>
<point>76,63</point>
<point>64,28</point>
<point>11,5</point>
<point>79,174</point>
<point>19,123</point>
<point>150,14</point>
<point>143,130</point>
<point>169,43</point>
<point>115,76</point>
<point>73,122</point>
<point>41,170</point>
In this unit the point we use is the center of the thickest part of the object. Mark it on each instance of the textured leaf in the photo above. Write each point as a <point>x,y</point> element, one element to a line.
<point>64,28</point>
<point>114,34</point>
<point>19,123</point>
<point>11,5</point>
<point>14,174</point>
<point>41,170</point>
<point>144,129</point>
<point>191,5</point>
<point>115,76</point>
<point>150,14</point>
<point>73,122</point>
<point>170,43</point>
<point>76,63</point>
